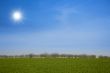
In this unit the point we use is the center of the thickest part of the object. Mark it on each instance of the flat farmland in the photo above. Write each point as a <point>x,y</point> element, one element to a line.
<point>54,65</point>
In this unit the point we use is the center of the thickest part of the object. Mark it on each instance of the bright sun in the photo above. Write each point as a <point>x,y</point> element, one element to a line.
<point>17,15</point>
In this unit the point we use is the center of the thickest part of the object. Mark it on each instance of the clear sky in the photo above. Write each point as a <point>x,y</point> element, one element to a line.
<point>55,26</point>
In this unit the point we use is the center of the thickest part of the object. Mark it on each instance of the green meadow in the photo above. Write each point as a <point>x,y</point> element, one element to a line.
<point>54,65</point>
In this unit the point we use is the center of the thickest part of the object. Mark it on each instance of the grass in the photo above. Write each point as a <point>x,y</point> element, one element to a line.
<point>54,65</point>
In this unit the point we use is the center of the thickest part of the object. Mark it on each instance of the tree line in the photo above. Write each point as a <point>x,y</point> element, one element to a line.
<point>54,55</point>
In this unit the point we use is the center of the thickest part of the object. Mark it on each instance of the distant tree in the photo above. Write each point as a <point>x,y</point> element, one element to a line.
<point>92,56</point>
<point>3,56</point>
<point>70,56</point>
<point>31,55</point>
<point>44,55</point>
<point>55,55</point>
<point>87,56</point>
<point>63,55</point>
<point>83,56</point>
<point>76,56</point>
<point>103,56</point>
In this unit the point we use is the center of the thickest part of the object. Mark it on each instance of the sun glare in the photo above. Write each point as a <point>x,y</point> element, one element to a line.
<point>17,16</point>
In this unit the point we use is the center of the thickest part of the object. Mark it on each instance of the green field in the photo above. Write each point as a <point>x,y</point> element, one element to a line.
<point>54,65</point>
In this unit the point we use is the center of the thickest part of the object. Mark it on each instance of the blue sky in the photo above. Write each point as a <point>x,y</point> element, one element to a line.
<point>55,26</point>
